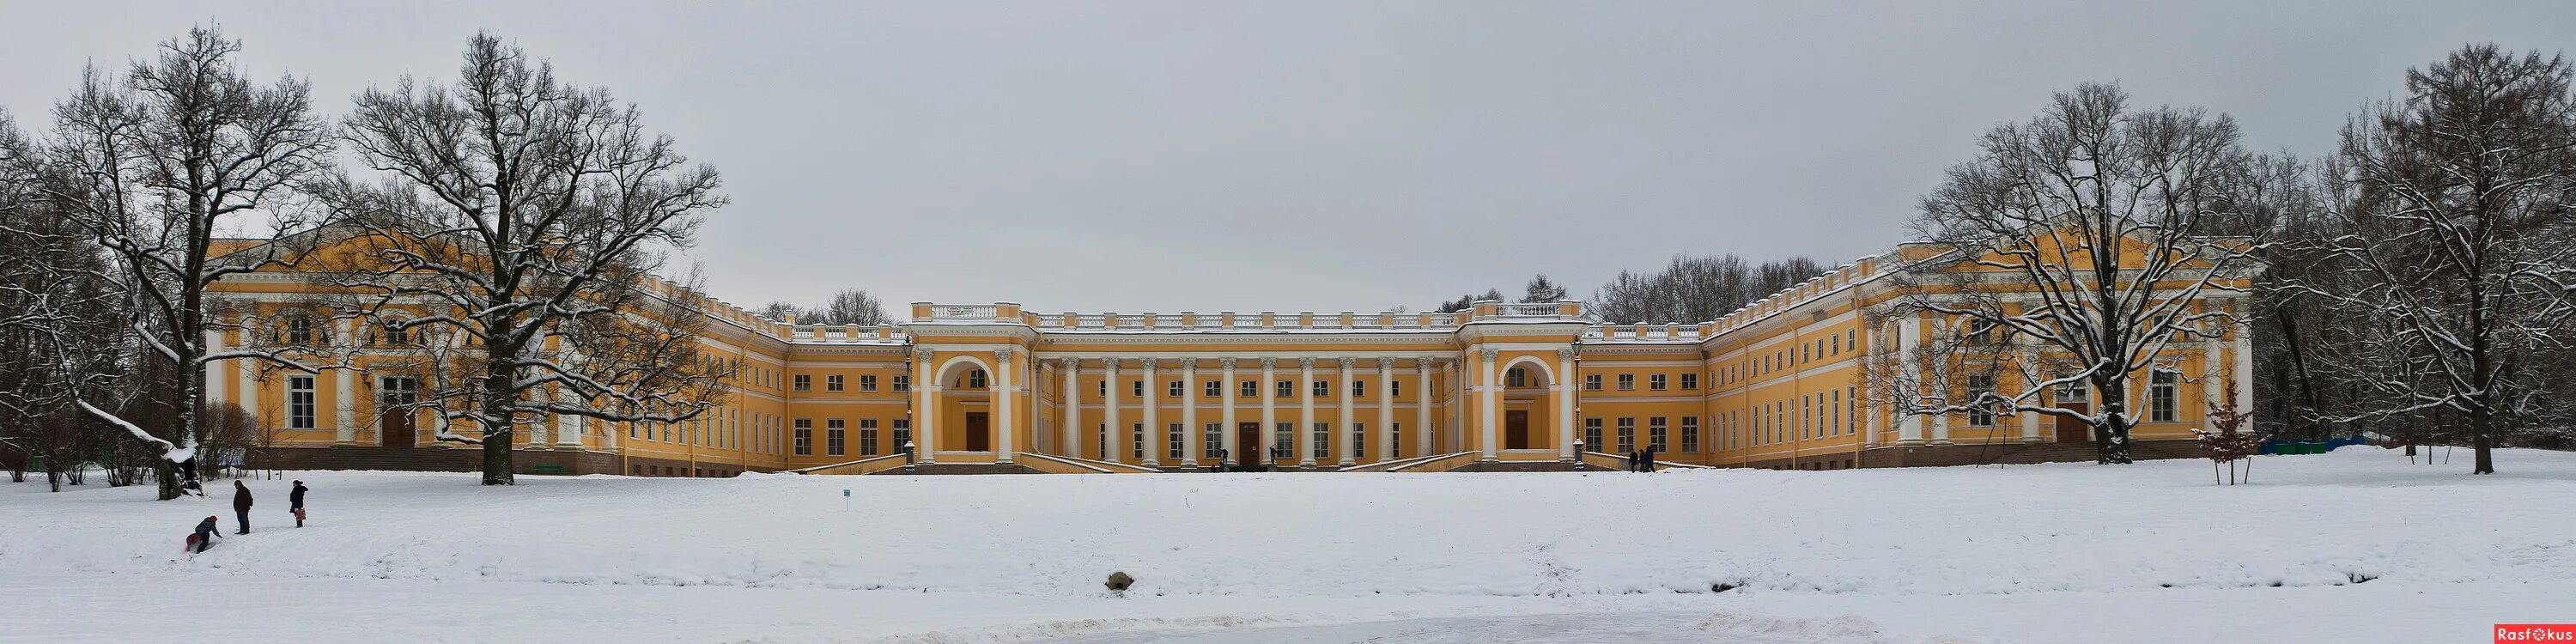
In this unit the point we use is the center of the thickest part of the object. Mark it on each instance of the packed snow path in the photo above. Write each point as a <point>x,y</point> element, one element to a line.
<point>2019,554</point>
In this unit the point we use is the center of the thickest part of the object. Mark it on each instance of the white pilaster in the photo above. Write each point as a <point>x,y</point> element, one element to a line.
<point>1116,449</point>
<point>1422,407</point>
<point>1489,406</point>
<point>1269,409</point>
<point>1305,411</point>
<point>1564,387</point>
<point>925,423</point>
<point>1227,432</point>
<point>1342,439</point>
<point>1005,387</point>
<point>1069,370</point>
<point>1909,426</point>
<point>2030,420</point>
<point>214,370</point>
<point>1385,409</point>
<point>1154,439</point>
<point>2245,375</point>
<point>344,395</point>
<point>246,391</point>
<point>1191,440</point>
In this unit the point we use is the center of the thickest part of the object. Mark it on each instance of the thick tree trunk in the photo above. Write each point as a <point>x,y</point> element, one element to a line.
<point>2482,439</point>
<point>2111,435</point>
<point>498,425</point>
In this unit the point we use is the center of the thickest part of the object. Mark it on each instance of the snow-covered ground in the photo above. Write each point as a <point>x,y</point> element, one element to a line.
<point>2144,553</point>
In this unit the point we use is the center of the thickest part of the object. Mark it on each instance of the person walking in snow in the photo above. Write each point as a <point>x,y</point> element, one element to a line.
<point>1650,460</point>
<point>295,503</point>
<point>1632,460</point>
<point>205,535</point>
<point>241,505</point>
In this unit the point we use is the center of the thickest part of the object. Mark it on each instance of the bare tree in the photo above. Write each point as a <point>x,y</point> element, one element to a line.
<point>1695,289</point>
<point>183,151</point>
<point>524,215</point>
<point>2454,249</point>
<point>2102,217</point>
<point>779,311</point>
<point>851,306</point>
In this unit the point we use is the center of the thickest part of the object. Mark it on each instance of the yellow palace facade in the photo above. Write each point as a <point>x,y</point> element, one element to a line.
<point>998,387</point>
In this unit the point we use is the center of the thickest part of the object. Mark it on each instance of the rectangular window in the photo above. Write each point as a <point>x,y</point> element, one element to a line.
<point>1592,435</point>
<point>1174,439</point>
<point>1136,442</point>
<point>1394,388</point>
<point>1655,432</point>
<point>1105,454</point>
<point>1591,382</point>
<point>1655,382</point>
<point>1323,439</point>
<point>299,402</point>
<point>1980,414</point>
<point>834,435</point>
<point>867,383</point>
<point>1627,382</point>
<point>1359,388</point>
<point>1837,345</point>
<point>1214,436</point>
<point>1282,438</point>
<point>902,383</point>
<point>1285,389</point>
<point>975,379</point>
<point>1627,434</point>
<point>804,437</point>
<point>1690,434</point>
<point>1250,389</point>
<point>1174,389</point>
<point>832,382</point>
<point>2163,396</point>
<point>1515,377</point>
<point>1853,394</point>
<point>1136,389</point>
<point>868,437</point>
<point>1690,381</point>
<point>1213,389</point>
<point>1834,425</point>
<point>804,382</point>
<point>902,434</point>
<point>1322,389</point>
<point>1359,440</point>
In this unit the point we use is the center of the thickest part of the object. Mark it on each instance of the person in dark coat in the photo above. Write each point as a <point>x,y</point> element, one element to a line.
<point>1650,459</point>
<point>295,503</point>
<point>205,535</point>
<point>241,505</point>
<point>1632,460</point>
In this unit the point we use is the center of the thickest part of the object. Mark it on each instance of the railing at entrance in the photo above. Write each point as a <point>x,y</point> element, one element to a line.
<point>870,465</point>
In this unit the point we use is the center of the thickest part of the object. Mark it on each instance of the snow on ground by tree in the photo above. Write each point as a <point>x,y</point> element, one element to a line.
<point>2148,552</point>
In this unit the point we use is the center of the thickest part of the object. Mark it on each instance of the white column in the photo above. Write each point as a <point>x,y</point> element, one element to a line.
<point>1490,407</point>
<point>1154,438</point>
<point>1069,370</point>
<point>245,391</point>
<point>1227,431</point>
<point>215,370</point>
<point>1191,440</point>
<point>1269,409</point>
<point>344,399</point>
<point>2215,369</point>
<point>1385,409</point>
<point>1564,386</point>
<point>1422,398</point>
<point>1306,411</point>
<point>1909,426</point>
<point>1005,387</point>
<point>925,414</point>
<point>1115,450</point>
<point>1940,429</point>
<point>1342,443</point>
<point>2030,420</point>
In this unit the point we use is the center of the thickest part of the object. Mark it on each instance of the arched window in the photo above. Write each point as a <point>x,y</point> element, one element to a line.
<point>1516,377</point>
<point>394,334</point>
<point>300,331</point>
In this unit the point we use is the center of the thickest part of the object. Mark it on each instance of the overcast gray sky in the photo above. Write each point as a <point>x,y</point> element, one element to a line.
<point>1199,155</point>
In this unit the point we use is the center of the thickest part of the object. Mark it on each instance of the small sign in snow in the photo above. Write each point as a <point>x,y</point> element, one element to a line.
<point>845,491</point>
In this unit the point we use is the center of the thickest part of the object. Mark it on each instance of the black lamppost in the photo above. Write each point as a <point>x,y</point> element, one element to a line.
<point>907,458</point>
<point>1578,454</point>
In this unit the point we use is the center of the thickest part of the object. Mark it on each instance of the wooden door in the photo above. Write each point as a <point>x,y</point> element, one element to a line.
<point>1247,444</point>
<point>1516,429</point>
<point>395,398</point>
<point>2070,430</point>
<point>979,432</point>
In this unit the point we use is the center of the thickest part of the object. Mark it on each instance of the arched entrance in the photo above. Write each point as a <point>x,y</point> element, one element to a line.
<point>1528,414</point>
<point>962,402</point>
